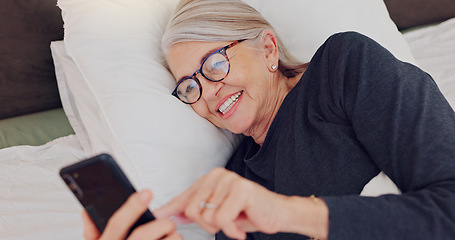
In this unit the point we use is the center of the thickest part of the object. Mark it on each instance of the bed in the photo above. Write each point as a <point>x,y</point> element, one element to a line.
<point>98,85</point>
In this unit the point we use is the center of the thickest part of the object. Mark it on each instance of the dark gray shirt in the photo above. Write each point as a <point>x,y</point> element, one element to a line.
<point>355,112</point>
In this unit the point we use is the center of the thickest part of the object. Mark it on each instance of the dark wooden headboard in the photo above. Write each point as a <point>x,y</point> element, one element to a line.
<point>413,13</point>
<point>27,79</point>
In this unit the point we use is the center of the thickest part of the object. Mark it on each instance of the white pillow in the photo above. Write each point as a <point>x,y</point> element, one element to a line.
<point>123,98</point>
<point>304,25</point>
<point>66,69</point>
<point>124,102</point>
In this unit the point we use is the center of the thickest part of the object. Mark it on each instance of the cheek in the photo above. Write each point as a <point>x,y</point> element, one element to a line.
<point>249,72</point>
<point>201,109</point>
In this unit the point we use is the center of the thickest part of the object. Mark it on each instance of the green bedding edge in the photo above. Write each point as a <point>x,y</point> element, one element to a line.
<point>34,129</point>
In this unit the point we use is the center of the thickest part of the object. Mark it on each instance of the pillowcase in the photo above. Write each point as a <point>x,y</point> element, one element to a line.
<point>68,75</point>
<point>123,98</point>
<point>304,25</point>
<point>65,69</point>
<point>122,91</point>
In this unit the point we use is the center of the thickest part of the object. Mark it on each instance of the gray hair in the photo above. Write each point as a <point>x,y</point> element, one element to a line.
<point>223,20</point>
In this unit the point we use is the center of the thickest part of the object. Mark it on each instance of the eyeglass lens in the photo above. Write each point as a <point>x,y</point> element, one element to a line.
<point>216,67</point>
<point>188,90</point>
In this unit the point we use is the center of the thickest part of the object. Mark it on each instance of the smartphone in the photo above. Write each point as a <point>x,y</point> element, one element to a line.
<point>101,187</point>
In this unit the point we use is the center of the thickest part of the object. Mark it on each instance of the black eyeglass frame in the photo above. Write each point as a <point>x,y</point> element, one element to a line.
<point>222,51</point>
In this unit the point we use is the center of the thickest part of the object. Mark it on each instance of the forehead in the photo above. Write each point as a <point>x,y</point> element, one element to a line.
<point>185,58</point>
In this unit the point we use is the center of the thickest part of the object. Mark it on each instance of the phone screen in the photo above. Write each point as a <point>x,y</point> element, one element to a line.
<point>101,188</point>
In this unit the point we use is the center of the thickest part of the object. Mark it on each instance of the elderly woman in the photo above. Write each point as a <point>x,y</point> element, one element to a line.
<point>321,129</point>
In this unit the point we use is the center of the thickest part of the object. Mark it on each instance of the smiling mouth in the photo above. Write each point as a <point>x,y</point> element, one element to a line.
<point>230,102</point>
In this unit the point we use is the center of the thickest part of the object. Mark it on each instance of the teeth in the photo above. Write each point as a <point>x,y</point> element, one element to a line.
<point>229,103</point>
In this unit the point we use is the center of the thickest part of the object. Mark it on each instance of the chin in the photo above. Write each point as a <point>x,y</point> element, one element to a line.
<point>237,129</point>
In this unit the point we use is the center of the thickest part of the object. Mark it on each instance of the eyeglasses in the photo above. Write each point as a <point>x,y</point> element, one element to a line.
<point>214,68</point>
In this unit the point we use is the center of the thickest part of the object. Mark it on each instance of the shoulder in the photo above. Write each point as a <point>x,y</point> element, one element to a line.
<point>351,55</point>
<point>353,46</point>
<point>350,40</point>
<point>351,67</point>
<point>350,37</point>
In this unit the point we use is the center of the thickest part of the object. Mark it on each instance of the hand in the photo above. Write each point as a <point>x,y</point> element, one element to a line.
<point>237,205</point>
<point>122,220</point>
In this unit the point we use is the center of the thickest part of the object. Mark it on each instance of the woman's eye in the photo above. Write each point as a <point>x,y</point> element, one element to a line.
<point>187,87</point>
<point>191,87</point>
<point>216,63</point>
<point>217,66</point>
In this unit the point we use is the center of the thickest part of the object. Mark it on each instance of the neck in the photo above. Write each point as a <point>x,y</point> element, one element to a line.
<point>285,85</point>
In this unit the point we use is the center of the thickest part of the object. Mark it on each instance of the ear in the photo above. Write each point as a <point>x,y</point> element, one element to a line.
<point>270,46</point>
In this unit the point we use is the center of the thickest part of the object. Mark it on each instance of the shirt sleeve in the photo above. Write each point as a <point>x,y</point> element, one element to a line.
<point>408,128</point>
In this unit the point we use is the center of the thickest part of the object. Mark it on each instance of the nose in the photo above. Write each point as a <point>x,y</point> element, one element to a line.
<point>209,89</point>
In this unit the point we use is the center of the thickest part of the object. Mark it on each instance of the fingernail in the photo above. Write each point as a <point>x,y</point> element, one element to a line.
<point>182,220</point>
<point>145,196</point>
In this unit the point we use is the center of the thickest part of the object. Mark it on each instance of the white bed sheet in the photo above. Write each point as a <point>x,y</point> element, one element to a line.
<point>35,203</point>
<point>434,50</point>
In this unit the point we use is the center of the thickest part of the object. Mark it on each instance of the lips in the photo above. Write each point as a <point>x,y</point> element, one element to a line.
<point>229,103</point>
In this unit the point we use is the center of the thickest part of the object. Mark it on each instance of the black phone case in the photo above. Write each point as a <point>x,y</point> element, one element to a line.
<point>101,187</point>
